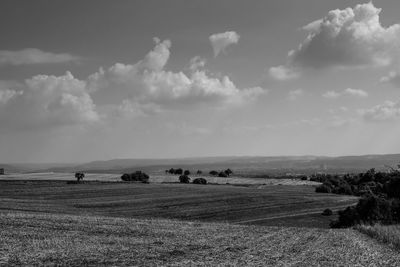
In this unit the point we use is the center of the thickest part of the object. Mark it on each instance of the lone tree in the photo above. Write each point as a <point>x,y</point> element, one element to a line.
<point>79,176</point>
<point>184,179</point>
<point>200,181</point>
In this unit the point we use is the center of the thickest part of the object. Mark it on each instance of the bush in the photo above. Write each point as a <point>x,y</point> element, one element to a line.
<point>228,172</point>
<point>303,178</point>
<point>184,179</point>
<point>343,189</point>
<point>214,173</point>
<point>222,174</point>
<point>79,176</point>
<point>324,188</point>
<point>347,218</point>
<point>199,172</point>
<point>327,212</point>
<point>178,171</point>
<point>186,172</point>
<point>137,176</point>
<point>200,181</point>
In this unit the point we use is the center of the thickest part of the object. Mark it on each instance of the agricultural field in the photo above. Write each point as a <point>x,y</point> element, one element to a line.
<point>37,239</point>
<point>155,178</point>
<point>250,204</point>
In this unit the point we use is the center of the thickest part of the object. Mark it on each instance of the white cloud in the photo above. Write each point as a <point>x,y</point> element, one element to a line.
<point>295,94</point>
<point>220,41</point>
<point>169,90</point>
<point>197,63</point>
<point>389,110</point>
<point>282,73</point>
<point>358,93</point>
<point>48,100</point>
<point>331,94</point>
<point>6,95</point>
<point>123,91</point>
<point>353,37</point>
<point>393,77</point>
<point>355,92</point>
<point>34,56</point>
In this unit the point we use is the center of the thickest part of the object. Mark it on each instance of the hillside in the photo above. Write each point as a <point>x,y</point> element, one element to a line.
<point>242,165</point>
<point>246,165</point>
<point>38,239</point>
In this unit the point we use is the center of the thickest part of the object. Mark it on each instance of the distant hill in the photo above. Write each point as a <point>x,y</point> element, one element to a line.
<point>282,164</point>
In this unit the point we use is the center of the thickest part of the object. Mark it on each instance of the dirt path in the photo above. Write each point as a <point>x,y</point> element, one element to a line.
<point>294,214</point>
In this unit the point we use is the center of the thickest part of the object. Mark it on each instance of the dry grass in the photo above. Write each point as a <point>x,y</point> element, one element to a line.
<point>388,234</point>
<point>67,240</point>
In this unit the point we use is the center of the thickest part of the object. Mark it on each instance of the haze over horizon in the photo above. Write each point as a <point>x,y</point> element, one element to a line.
<point>100,80</point>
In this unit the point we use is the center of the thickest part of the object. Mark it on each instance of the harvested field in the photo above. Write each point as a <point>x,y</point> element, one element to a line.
<point>155,178</point>
<point>37,239</point>
<point>213,203</point>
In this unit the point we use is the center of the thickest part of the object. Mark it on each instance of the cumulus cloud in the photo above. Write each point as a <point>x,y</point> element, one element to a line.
<point>220,41</point>
<point>353,37</point>
<point>48,100</point>
<point>6,95</point>
<point>283,73</point>
<point>294,94</point>
<point>122,90</point>
<point>197,63</point>
<point>34,56</point>
<point>389,110</point>
<point>167,89</point>
<point>358,93</point>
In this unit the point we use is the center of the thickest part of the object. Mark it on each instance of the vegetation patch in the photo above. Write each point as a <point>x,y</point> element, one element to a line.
<point>388,234</point>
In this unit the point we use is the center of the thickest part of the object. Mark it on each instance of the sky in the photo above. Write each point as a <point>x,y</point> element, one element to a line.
<point>97,80</point>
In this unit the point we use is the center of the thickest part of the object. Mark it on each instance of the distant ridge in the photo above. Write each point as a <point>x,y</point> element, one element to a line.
<point>303,164</point>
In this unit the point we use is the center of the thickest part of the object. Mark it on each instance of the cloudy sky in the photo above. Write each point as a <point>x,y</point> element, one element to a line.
<point>94,80</point>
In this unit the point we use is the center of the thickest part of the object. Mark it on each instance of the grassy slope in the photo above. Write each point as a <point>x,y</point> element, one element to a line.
<point>388,234</point>
<point>222,203</point>
<point>37,239</point>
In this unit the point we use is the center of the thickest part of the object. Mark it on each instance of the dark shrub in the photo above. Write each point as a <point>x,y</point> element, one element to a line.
<point>304,178</point>
<point>372,209</point>
<point>186,172</point>
<point>324,188</point>
<point>199,172</point>
<point>171,171</point>
<point>137,176</point>
<point>222,174</point>
<point>200,181</point>
<point>184,179</point>
<point>343,189</point>
<point>126,177</point>
<point>178,171</point>
<point>228,172</point>
<point>79,176</point>
<point>392,187</point>
<point>347,218</point>
<point>327,212</point>
<point>215,173</point>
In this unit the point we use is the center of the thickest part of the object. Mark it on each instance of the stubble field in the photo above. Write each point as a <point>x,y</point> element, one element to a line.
<point>251,204</point>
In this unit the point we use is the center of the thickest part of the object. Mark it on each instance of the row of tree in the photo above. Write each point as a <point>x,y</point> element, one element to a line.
<point>180,171</point>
